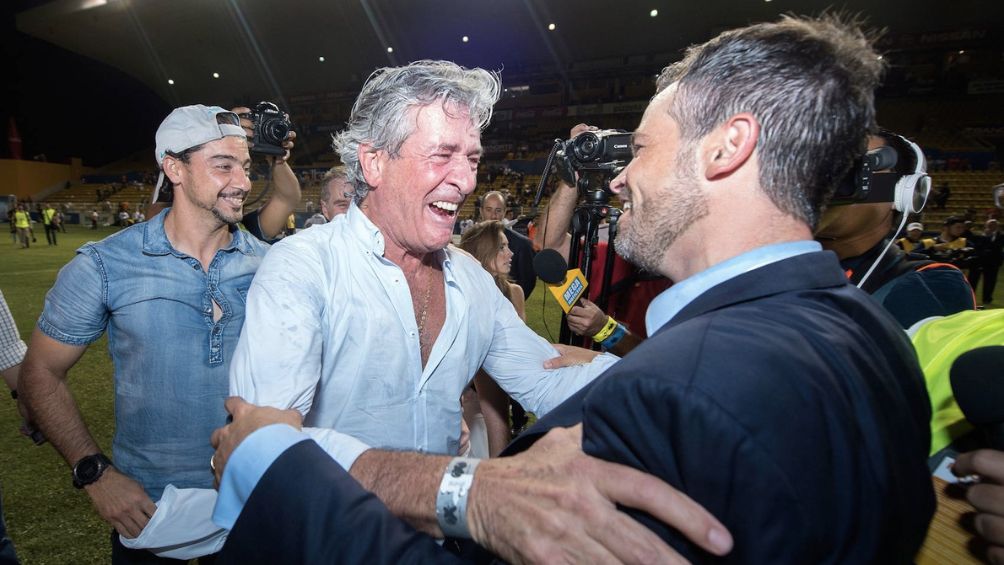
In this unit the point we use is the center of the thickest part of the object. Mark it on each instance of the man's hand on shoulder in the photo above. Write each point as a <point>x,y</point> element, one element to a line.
<point>121,502</point>
<point>247,418</point>
<point>555,504</point>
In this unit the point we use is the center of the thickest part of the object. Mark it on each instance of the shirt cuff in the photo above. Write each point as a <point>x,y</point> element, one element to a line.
<point>247,465</point>
<point>13,353</point>
<point>343,448</point>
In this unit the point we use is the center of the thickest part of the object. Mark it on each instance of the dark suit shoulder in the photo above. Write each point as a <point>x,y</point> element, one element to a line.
<point>517,239</point>
<point>769,413</point>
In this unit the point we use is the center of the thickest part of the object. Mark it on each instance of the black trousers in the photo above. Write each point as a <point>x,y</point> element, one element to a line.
<point>122,555</point>
<point>989,275</point>
<point>50,233</point>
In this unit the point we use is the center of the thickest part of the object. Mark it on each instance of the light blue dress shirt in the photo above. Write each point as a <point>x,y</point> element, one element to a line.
<point>331,332</point>
<point>671,301</point>
<point>259,450</point>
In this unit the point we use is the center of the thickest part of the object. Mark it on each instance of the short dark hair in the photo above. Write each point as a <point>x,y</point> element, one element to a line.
<point>185,157</point>
<point>809,82</point>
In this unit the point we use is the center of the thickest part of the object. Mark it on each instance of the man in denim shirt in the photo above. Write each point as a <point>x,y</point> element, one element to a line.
<point>171,293</point>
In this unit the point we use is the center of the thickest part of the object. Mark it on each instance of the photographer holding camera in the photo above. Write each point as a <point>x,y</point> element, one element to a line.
<point>630,293</point>
<point>269,133</point>
<point>171,294</point>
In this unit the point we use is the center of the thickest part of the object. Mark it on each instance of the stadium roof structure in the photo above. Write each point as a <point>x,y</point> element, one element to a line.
<point>274,49</point>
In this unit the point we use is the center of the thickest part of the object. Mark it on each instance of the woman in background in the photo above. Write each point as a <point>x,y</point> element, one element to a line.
<point>487,243</point>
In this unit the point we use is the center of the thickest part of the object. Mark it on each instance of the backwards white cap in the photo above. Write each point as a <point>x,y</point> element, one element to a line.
<point>189,126</point>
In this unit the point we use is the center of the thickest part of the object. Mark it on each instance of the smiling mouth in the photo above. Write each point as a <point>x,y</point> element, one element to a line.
<point>444,208</point>
<point>234,198</point>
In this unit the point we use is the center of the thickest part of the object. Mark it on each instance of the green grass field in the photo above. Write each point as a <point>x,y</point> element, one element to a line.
<point>50,521</point>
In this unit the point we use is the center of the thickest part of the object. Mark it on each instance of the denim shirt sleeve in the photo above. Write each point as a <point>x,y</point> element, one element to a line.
<point>76,311</point>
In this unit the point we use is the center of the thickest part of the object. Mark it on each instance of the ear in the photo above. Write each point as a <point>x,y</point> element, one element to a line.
<point>172,169</point>
<point>731,145</point>
<point>372,162</point>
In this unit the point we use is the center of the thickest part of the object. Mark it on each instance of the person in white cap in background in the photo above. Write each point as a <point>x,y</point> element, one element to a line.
<point>171,294</point>
<point>914,240</point>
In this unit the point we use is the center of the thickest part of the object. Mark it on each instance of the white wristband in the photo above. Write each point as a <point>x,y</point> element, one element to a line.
<point>451,500</point>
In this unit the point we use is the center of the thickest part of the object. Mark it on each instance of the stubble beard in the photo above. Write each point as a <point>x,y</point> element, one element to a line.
<point>219,215</point>
<point>656,225</point>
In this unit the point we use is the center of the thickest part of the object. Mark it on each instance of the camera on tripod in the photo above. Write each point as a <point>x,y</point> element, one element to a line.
<point>589,161</point>
<point>271,126</point>
<point>604,151</point>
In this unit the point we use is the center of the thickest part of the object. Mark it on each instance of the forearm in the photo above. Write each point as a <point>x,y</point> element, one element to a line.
<point>10,375</point>
<point>519,366</point>
<point>54,411</point>
<point>495,408</point>
<point>285,198</point>
<point>405,482</point>
<point>553,233</point>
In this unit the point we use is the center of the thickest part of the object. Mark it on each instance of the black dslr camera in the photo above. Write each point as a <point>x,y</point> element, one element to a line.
<point>271,126</point>
<point>603,151</point>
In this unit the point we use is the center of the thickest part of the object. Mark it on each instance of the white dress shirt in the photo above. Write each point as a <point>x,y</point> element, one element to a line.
<point>330,331</point>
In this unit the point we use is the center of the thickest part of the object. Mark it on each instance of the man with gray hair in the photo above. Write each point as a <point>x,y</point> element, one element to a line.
<point>336,195</point>
<point>780,397</point>
<point>371,328</point>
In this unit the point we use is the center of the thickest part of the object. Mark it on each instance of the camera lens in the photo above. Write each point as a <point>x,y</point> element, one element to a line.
<point>586,147</point>
<point>275,131</point>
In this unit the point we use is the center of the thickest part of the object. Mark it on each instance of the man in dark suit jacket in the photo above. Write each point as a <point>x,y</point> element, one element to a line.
<point>786,403</point>
<point>771,391</point>
<point>989,257</point>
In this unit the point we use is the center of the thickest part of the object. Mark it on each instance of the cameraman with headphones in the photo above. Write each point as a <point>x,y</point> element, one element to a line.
<point>911,287</point>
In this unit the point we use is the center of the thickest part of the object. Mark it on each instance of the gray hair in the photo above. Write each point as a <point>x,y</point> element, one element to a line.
<point>338,173</point>
<point>809,82</point>
<point>379,115</point>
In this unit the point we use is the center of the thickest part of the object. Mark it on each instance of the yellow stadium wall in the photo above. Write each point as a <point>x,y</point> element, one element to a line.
<point>28,178</point>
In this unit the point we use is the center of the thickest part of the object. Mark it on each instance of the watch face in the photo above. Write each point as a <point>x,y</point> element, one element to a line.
<point>87,469</point>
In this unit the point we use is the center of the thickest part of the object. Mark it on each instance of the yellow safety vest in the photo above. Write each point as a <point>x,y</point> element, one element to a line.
<point>22,220</point>
<point>939,343</point>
